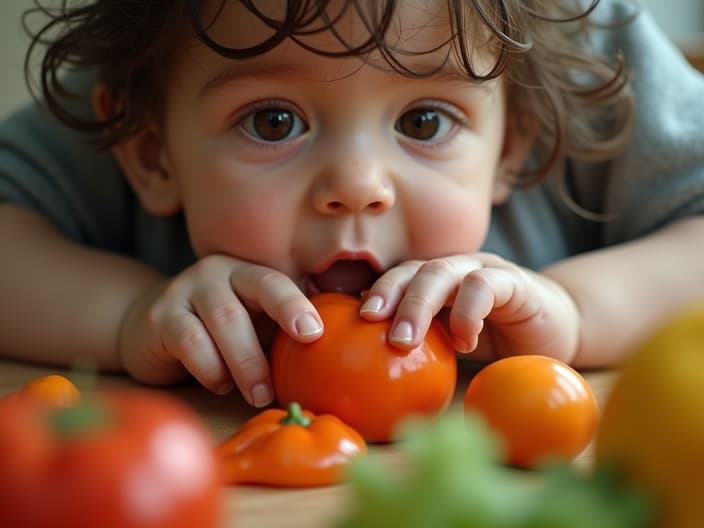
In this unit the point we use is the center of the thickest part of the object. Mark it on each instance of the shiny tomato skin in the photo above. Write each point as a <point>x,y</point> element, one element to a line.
<point>540,407</point>
<point>148,465</point>
<point>353,372</point>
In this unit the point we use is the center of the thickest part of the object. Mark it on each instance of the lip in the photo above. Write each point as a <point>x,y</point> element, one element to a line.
<point>309,285</point>
<point>364,255</point>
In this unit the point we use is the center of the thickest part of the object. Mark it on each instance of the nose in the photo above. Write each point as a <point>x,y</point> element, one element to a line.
<point>353,186</point>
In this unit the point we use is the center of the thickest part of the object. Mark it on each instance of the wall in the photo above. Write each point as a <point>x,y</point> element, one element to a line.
<point>13,44</point>
<point>682,19</point>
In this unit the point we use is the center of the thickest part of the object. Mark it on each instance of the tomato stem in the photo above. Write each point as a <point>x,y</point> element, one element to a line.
<point>78,419</point>
<point>295,416</point>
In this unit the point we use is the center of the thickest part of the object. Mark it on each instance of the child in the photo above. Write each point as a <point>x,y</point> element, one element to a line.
<point>496,161</point>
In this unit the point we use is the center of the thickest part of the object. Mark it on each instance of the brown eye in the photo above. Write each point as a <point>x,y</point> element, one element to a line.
<point>419,123</point>
<point>273,125</point>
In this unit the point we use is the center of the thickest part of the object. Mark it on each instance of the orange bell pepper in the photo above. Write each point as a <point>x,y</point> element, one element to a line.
<point>291,448</point>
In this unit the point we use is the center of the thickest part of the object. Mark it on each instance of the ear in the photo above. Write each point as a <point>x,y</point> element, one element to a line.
<point>519,137</point>
<point>142,159</point>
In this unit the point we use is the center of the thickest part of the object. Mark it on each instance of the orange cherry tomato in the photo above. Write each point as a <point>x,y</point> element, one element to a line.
<point>353,372</point>
<point>53,390</point>
<point>540,407</point>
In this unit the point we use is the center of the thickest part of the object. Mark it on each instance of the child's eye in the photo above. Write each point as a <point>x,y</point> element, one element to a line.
<point>273,125</point>
<point>426,124</point>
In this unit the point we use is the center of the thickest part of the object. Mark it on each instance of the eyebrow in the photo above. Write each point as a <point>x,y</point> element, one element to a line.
<point>454,75</point>
<point>451,74</point>
<point>263,71</point>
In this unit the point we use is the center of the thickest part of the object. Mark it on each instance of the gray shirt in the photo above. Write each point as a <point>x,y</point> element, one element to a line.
<point>658,179</point>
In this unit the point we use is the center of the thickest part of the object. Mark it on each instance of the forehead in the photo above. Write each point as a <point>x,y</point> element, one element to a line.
<point>416,34</point>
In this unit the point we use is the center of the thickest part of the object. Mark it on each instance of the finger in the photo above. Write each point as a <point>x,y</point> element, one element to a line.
<point>387,291</point>
<point>481,294</point>
<point>484,351</point>
<point>229,324</point>
<point>434,283</point>
<point>280,298</point>
<point>186,339</point>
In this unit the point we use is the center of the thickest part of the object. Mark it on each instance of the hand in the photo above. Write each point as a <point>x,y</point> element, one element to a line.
<point>201,321</point>
<point>495,307</point>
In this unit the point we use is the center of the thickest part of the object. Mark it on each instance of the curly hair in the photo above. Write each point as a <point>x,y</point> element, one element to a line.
<point>581,101</point>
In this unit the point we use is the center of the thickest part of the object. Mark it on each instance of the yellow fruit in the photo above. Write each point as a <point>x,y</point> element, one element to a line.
<point>653,421</point>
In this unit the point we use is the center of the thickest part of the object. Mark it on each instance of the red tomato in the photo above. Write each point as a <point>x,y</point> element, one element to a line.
<point>540,407</point>
<point>353,372</point>
<point>129,459</point>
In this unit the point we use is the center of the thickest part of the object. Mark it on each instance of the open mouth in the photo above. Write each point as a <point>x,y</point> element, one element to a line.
<point>344,276</point>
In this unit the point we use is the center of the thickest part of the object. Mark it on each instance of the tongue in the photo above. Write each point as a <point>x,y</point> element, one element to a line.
<point>346,276</point>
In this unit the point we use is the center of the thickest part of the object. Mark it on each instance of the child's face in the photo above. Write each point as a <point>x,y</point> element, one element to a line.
<point>296,161</point>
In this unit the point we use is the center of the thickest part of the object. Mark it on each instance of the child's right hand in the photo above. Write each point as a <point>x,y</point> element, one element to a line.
<point>201,321</point>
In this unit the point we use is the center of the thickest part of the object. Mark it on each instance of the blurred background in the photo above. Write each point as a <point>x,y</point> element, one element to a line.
<point>683,20</point>
<point>13,44</point>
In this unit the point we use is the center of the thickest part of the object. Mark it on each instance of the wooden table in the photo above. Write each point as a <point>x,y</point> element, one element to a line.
<point>249,506</point>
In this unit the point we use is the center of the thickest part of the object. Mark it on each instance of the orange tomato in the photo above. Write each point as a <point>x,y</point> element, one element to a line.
<point>353,372</point>
<point>53,390</point>
<point>540,407</point>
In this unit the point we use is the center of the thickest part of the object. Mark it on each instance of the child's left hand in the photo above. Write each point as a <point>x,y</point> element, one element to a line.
<point>523,312</point>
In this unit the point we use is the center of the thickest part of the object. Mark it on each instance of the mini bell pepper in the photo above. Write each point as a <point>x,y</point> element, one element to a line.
<point>293,448</point>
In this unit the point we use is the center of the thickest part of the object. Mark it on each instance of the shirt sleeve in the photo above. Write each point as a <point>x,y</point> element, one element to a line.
<point>658,179</point>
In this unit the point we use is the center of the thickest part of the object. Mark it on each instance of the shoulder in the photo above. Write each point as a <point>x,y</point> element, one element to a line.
<point>53,170</point>
<point>660,176</point>
<point>32,132</point>
<point>49,168</point>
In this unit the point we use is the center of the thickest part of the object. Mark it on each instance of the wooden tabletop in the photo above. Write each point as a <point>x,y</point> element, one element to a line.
<point>250,506</point>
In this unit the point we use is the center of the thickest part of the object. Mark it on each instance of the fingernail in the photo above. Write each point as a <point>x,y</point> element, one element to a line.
<point>224,387</point>
<point>402,332</point>
<point>307,325</point>
<point>373,305</point>
<point>261,395</point>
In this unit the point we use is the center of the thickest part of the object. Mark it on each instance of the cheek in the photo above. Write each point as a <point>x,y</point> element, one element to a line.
<point>450,223</point>
<point>228,208</point>
<point>244,228</point>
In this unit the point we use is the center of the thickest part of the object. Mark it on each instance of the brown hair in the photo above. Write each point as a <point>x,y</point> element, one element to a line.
<point>582,101</point>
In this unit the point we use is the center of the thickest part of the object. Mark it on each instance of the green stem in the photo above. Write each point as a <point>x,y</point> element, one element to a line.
<point>79,419</point>
<point>295,416</point>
